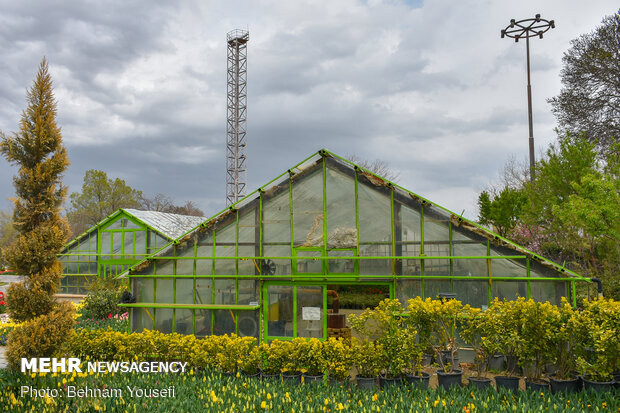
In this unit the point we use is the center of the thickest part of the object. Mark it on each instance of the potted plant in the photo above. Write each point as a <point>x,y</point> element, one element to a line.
<point>536,333</point>
<point>366,362</point>
<point>249,363</point>
<point>473,328</point>
<point>446,318</point>
<point>599,323</point>
<point>564,345</point>
<point>421,320</point>
<point>338,360</point>
<point>504,328</point>
<point>385,326</point>
<point>311,360</point>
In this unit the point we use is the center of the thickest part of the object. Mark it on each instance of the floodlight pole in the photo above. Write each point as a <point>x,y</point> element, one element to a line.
<point>525,29</point>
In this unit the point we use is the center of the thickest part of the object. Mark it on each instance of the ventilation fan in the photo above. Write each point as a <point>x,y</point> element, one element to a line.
<point>268,267</point>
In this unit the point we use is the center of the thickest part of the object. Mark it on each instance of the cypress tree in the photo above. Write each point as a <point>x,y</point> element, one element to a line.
<point>38,151</point>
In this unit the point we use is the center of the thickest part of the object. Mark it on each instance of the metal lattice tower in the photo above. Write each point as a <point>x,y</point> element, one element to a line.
<point>237,111</point>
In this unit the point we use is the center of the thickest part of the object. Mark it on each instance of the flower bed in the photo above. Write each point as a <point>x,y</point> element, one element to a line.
<point>213,392</point>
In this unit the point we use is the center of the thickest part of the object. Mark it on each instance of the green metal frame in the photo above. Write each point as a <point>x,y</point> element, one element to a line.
<point>527,263</point>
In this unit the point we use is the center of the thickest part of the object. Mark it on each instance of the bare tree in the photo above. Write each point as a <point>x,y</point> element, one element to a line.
<point>378,167</point>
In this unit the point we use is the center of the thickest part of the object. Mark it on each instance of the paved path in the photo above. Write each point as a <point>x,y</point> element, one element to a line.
<point>3,363</point>
<point>9,279</point>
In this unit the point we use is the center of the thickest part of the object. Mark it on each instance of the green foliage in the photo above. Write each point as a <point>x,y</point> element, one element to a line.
<point>366,357</point>
<point>474,328</point>
<point>590,94</point>
<point>100,197</point>
<point>599,325</point>
<point>392,337</point>
<point>101,303</point>
<point>40,337</point>
<point>503,211</point>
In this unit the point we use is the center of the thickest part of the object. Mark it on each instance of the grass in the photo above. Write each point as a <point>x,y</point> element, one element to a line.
<point>213,392</point>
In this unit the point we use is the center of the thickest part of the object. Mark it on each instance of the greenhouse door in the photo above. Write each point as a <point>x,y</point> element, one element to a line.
<point>294,311</point>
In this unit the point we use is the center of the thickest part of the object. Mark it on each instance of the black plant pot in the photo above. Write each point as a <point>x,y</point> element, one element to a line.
<point>308,379</point>
<point>589,384</point>
<point>294,378</point>
<point>253,375</point>
<point>427,359</point>
<point>450,379</point>
<point>267,376</point>
<point>542,385</point>
<point>386,382</point>
<point>507,382</point>
<point>420,382</point>
<point>497,362</point>
<point>569,386</point>
<point>366,383</point>
<point>480,382</point>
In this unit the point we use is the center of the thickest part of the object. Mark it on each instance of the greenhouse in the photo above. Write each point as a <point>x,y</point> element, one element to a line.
<point>264,266</point>
<point>117,242</point>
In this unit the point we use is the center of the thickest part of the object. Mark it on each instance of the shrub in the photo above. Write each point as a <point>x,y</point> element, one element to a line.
<point>42,336</point>
<point>27,302</point>
<point>102,303</point>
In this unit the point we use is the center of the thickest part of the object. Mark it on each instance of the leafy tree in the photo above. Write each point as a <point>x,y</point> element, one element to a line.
<point>503,211</point>
<point>37,149</point>
<point>590,98</point>
<point>100,197</point>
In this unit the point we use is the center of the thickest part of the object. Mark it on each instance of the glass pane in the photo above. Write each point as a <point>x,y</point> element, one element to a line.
<point>118,224</point>
<point>105,245</point>
<point>203,322</point>
<point>551,291</point>
<point>224,291</point>
<point>117,244</point>
<point>341,229</point>
<point>184,323</point>
<point>128,244</point>
<point>308,210</point>
<point>205,249</point>
<point>434,287</point>
<point>310,311</point>
<point>225,246</point>
<point>407,289</point>
<point>142,319</point>
<point>130,224</point>
<point>163,320</point>
<point>140,243</point>
<point>474,292</point>
<point>280,311</point>
<point>164,290</point>
<point>164,267</point>
<point>276,218</point>
<point>248,292</point>
<point>248,323</point>
<point>375,231</point>
<point>411,236</point>
<point>510,290</point>
<point>204,291</point>
<point>507,267</point>
<point>184,290</point>
<point>436,242</point>
<point>341,266</point>
<point>247,266</point>
<point>309,266</point>
<point>274,266</point>
<point>224,322</point>
<point>143,289</point>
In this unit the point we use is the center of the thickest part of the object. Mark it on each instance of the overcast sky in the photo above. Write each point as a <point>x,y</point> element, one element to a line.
<point>427,86</point>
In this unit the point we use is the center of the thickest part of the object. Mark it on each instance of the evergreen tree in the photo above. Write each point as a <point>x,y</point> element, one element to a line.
<point>38,151</point>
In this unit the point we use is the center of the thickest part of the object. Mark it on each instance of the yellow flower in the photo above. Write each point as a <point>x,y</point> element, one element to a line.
<point>326,401</point>
<point>340,406</point>
<point>263,405</point>
<point>374,397</point>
